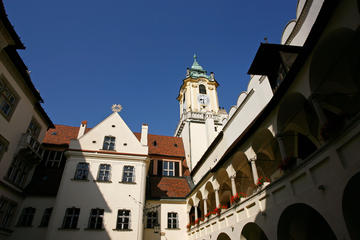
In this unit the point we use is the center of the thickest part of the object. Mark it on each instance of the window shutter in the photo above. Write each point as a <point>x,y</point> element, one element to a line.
<point>151,168</point>
<point>160,167</point>
<point>177,169</point>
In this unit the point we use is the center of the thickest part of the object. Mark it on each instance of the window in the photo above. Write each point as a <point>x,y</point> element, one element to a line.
<point>128,175</point>
<point>82,171</point>
<point>3,146</point>
<point>96,218</point>
<point>34,128</point>
<point>123,220</point>
<point>26,217</point>
<point>18,172</point>
<point>168,168</point>
<point>109,143</point>
<point>104,172</point>
<point>7,210</point>
<point>52,158</point>
<point>8,99</point>
<point>202,89</point>
<point>46,217</point>
<point>151,219</point>
<point>172,220</point>
<point>71,218</point>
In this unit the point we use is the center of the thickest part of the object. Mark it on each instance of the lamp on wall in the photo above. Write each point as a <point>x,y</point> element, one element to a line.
<point>156,228</point>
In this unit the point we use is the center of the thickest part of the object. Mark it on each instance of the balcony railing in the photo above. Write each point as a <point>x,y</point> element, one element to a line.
<point>30,148</point>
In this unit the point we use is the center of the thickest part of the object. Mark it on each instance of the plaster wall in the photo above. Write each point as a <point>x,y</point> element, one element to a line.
<point>113,125</point>
<point>36,232</point>
<point>110,196</point>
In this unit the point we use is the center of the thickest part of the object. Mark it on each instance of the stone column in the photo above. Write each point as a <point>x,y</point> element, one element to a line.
<point>280,141</point>
<point>254,170</point>
<point>217,201</point>
<point>205,206</point>
<point>319,111</point>
<point>196,212</point>
<point>233,185</point>
<point>189,218</point>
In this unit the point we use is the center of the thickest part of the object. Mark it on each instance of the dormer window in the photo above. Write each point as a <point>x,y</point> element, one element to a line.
<point>202,89</point>
<point>109,143</point>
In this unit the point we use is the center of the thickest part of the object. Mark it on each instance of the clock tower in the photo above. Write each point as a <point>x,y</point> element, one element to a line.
<point>201,119</point>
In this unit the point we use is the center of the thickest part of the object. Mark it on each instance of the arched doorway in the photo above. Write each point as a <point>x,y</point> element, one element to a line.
<point>223,236</point>
<point>302,222</point>
<point>252,231</point>
<point>351,207</point>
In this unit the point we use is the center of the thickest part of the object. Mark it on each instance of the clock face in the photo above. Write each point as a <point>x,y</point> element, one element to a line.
<point>203,99</point>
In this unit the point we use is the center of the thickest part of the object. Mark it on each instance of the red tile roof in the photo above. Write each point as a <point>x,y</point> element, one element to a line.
<point>168,187</point>
<point>165,145</point>
<point>60,135</point>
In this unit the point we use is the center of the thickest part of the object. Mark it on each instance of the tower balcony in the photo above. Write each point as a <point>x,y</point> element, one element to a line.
<point>30,149</point>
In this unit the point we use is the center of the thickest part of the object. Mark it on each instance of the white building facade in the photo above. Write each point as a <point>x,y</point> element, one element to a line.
<point>282,164</point>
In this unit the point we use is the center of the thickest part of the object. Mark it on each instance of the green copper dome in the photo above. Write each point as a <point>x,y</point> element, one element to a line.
<point>196,70</point>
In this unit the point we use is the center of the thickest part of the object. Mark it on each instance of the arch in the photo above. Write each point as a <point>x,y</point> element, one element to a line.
<point>252,231</point>
<point>202,89</point>
<point>191,211</point>
<point>244,179</point>
<point>298,126</point>
<point>223,236</point>
<point>300,221</point>
<point>211,202</point>
<point>200,206</point>
<point>334,76</point>
<point>351,207</point>
<point>225,187</point>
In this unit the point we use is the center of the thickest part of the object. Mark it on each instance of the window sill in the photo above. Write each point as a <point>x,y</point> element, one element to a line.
<point>69,229</point>
<point>102,181</point>
<point>122,230</point>
<point>79,180</point>
<point>94,229</point>
<point>127,182</point>
<point>172,228</point>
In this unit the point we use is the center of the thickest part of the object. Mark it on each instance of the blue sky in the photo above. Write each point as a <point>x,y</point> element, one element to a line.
<point>85,56</point>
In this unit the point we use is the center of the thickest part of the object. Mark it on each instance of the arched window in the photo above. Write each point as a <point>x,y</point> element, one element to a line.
<point>202,89</point>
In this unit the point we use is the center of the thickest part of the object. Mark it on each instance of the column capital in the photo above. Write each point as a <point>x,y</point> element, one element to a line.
<point>233,176</point>
<point>252,159</point>
<point>216,189</point>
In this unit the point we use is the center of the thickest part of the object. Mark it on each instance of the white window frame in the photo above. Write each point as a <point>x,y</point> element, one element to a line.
<point>126,172</point>
<point>173,220</point>
<point>7,210</point>
<point>167,170</point>
<point>109,143</point>
<point>104,173</point>
<point>46,217</point>
<point>54,161</point>
<point>152,219</point>
<point>82,171</point>
<point>121,223</point>
<point>98,215</point>
<point>74,218</point>
<point>27,216</point>
<point>8,98</point>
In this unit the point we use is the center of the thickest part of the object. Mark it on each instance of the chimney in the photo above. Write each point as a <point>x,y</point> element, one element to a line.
<point>144,134</point>
<point>82,129</point>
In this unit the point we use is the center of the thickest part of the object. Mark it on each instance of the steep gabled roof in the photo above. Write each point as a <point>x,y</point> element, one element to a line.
<point>158,144</point>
